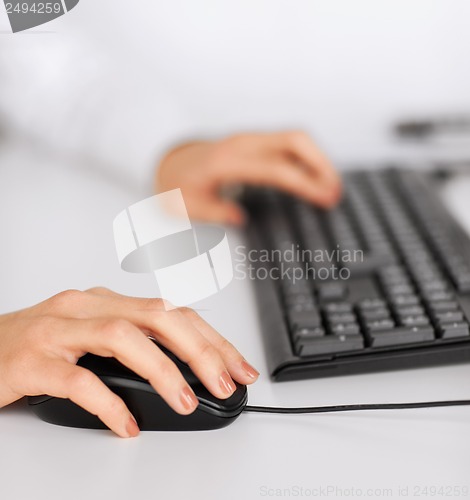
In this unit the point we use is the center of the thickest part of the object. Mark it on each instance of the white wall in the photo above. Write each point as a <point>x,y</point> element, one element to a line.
<point>341,69</point>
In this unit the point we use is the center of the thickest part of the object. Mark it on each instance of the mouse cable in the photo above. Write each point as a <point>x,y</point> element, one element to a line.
<point>357,407</point>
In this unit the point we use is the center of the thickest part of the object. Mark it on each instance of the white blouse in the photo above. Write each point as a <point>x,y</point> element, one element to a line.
<point>119,82</point>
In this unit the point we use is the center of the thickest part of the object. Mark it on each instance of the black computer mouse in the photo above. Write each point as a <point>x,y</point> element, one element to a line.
<point>149,409</point>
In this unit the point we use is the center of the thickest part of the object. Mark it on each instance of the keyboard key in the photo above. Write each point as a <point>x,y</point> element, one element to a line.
<point>307,306</point>
<point>298,288</point>
<point>393,272</point>
<point>462,282</point>
<point>449,317</point>
<point>405,300</point>
<point>341,318</point>
<point>345,329</point>
<point>308,333</point>
<point>414,320</point>
<point>380,325</point>
<point>399,278</point>
<point>330,344</point>
<point>409,311</point>
<point>397,290</point>
<point>331,291</point>
<point>375,314</point>
<point>371,304</point>
<point>453,330</point>
<point>439,295</point>
<point>433,286</point>
<point>303,319</point>
<point>449,305</point>
<point>402,335</point>
<point>301,298</point>
<point>395,280</point>
<point>338,307</point>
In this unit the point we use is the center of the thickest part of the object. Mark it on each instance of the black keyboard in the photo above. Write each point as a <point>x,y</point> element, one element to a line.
<point>380,282</point>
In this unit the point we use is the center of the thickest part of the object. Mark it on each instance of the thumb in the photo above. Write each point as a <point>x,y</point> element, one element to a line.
<point>214,209</point>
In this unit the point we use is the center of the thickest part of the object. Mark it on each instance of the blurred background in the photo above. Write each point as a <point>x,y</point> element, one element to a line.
<point>90,101</point>
<point>120,81</point>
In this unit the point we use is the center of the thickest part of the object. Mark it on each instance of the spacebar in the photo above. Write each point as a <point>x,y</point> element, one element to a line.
<point>330,344</point>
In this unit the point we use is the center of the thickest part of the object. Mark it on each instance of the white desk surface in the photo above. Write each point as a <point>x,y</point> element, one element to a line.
<point>55,226</point>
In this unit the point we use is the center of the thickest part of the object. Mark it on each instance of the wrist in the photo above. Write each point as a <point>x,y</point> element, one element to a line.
<point>179,164</point>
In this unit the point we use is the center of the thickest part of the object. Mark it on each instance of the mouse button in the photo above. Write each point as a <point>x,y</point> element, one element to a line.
<point>36,400</point>
<point>236,401</point>
<point>106,367</point>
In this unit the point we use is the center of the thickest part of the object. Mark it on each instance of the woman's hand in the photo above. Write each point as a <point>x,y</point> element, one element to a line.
<point>289,161</point>
<point>39,348</point>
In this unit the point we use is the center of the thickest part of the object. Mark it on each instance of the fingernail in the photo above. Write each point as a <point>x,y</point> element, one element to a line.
<point>249,370</point>
<point>132,428</point>
<point>188,399</point>
<point>227,383</point>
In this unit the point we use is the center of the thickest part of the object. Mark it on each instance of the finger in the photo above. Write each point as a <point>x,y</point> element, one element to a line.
<point>236,364</point>
<point>100,290</point>
<point>157,304</point>
<point>65,380</point>
<point>122,340</point>
<point>175,332</point>
<point>288,177</point>
<point>301,146</point>
<point>278,167</point>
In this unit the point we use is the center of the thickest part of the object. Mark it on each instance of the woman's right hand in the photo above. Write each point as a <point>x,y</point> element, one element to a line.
<point>289,161</point>
<point>40,346</point>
